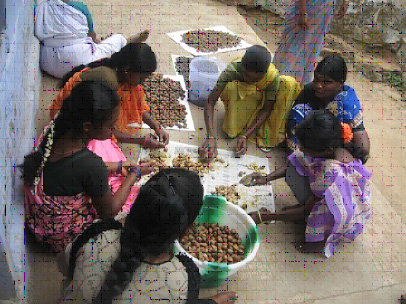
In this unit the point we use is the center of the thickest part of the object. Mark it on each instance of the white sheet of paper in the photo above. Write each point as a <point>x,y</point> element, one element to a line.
<point>177,37</point>
<point>255,197</point>
<point>189,120</point>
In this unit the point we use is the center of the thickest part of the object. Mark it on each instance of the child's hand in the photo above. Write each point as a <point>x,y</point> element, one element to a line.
<point>146,167</point>
<point>152,143</point>
<point>254,179</point>
<point>163,136</point>
<point>241,148</point>
<point>208,150</point>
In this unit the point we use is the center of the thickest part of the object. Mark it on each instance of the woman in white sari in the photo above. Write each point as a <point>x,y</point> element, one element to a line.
<point>65,31</point>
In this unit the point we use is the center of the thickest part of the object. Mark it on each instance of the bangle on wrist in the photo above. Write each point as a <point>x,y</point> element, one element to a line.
<point>119,167</point>
<point>136,171</point>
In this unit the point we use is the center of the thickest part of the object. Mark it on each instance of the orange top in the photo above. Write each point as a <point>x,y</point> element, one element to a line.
<point>132,103</point>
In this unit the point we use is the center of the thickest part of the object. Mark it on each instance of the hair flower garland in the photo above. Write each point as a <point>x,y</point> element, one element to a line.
<point>347,132</point>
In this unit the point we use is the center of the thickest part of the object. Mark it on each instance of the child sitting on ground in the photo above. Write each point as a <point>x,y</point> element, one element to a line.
<point>332,187</point>
<point>134,262</point>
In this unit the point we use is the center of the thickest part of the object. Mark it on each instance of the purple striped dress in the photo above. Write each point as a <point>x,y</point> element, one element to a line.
<point>344,207</point>
<point>298,51</point>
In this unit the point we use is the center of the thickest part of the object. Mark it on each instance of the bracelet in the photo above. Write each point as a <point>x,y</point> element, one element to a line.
<point>119,167</point>
<point>136,171</point>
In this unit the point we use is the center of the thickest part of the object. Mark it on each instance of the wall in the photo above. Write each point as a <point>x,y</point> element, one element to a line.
<point>19,90</point>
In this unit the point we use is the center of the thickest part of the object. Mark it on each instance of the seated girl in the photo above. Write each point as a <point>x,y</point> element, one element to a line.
<point>328,91</point>
<point>257,101</point>
<point>66,185</point>
<point>126,70</point>
<point>332,187</point>
<point>133,262</point>
<point>65,30</point>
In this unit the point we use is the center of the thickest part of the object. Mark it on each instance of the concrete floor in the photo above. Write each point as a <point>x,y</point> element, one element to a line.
<point>371,270</point>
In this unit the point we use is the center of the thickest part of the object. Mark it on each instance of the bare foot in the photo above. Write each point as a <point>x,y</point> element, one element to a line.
<point>225,297</point>
<point>140,37</point>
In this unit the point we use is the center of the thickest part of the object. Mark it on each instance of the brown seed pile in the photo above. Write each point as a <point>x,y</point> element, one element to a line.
<point>209,40</point>
<point>182,67</point>
<point>213,243</point>
<point>163,96</point>
<point>229,192</point>
<point>257,169</point>
<point>195,165</point>
<point>161,158</point>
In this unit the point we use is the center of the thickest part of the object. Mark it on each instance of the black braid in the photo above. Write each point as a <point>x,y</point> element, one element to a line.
<point>32,162</point>
<point>129,259</point>
<point>90,232</point>
<point>148,235</point>
<point>193,276</point>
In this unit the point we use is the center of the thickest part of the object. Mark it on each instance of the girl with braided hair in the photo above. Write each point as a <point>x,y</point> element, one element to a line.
<point>127,70</point>
<point>66,185</point>
<point>133,262</point>
<point>333,188</point>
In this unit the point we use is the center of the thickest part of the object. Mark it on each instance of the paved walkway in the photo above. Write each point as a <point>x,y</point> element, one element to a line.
<point>371,270</point>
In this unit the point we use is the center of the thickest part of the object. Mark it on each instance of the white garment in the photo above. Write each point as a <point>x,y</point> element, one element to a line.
<point>65,44</point>
<point>153,284</point>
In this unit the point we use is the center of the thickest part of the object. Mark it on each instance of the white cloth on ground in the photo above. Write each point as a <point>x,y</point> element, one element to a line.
<point>65,44</point>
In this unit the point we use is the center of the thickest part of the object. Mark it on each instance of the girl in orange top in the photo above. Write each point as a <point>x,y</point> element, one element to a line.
<point>125,70</point>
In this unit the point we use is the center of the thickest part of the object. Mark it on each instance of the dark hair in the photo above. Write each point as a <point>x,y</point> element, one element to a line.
<point>166,206</point>
<point>90,101</point>
<point>136,57</point>
<point>320,131</point>
<point>256,59</point>
<point>333,66</point>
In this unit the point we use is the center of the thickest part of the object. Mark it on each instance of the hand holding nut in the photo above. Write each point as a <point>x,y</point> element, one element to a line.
<point>151,143</point>
<point>163,136</point>
<point>209,148</point>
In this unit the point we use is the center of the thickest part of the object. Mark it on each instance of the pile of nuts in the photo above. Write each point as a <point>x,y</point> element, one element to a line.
<point>257,169</point>
<point>213,243</point>
<point>161,158</point>
<point>229,192</point>
<point>163,96</point>
<point>209,40</point>
<point>195,165</point>
<point>182,67</point>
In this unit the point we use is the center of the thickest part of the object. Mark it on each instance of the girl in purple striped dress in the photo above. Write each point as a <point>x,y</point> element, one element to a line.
<point>332,186</point>
<point>306,26</point>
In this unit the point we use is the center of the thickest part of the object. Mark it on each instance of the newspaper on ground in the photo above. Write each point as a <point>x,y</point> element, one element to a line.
<point>224,172</point>
<point>189,120</point>
<point>177,37</point>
